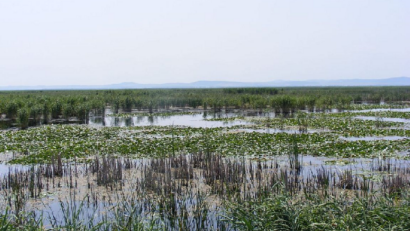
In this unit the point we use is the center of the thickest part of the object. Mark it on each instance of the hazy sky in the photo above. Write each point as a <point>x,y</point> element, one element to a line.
<point>65,42</point>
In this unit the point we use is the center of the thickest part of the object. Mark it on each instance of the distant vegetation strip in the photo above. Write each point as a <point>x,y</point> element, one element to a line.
<point>40,107</point>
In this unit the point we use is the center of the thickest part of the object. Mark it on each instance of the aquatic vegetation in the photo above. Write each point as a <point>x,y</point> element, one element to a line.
<point>230,118</point>
<point>204,191</point>
<point>22,118</point>
<point>284,212</point>
<point>380,114</point>
<point>345,126</point>
<point>339,162</point>
<point>289,159</point>
<point>65,104</point>
<point>37,145</point>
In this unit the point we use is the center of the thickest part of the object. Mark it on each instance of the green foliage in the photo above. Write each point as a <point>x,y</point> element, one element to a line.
<point>72,103</point>
<point>11,109</point>
<point>284,212</point>
<point>56,109</point>
<point>23,118</point>
<point>79,141</point>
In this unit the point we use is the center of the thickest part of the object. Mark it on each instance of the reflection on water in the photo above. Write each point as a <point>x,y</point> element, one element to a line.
<point>6,169</point>
<point>141,185</point>
<point>195,120</point>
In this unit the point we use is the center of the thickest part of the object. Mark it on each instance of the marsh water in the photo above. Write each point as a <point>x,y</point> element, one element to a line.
<point>194,120</point>
<point>204,118</point>
<point>97,202</point>
<point>79,188</point>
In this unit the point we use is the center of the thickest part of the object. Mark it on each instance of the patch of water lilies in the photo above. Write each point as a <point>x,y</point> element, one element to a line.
<point>345,126</point>
<point>38,144</point>
<point>380,114</point>
<point>360,107</point>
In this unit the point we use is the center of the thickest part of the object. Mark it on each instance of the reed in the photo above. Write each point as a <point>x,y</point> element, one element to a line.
<point>203,191</point>
<point>23,118</point>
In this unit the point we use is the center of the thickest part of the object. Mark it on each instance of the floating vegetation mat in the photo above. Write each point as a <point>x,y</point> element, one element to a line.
<point>39,144</point>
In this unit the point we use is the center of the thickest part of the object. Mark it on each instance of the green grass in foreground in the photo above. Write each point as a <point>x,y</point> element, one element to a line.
<point>279,211</point>
<point>284,212</point>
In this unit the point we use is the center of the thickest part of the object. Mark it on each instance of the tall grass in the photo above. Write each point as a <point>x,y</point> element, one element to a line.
<point>285,212</point>
<point>205,191</point>
<point>23,118</point>
<point>64,104</point>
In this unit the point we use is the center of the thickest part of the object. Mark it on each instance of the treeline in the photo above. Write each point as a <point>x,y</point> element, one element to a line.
<point>37,107</point>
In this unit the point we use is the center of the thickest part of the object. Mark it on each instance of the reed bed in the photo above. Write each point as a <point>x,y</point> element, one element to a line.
<point>201,191</point>
<point>33,108</point>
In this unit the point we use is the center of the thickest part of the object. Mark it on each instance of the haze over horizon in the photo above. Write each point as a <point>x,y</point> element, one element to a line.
<point>153,42</point>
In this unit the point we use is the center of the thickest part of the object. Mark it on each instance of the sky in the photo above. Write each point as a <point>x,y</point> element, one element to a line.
<point>96,42</point>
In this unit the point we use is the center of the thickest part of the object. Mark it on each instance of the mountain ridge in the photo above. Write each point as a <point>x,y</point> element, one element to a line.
<point>395,81</point>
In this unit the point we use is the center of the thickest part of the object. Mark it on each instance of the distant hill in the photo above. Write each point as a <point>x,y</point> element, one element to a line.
<point>398,81</point>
